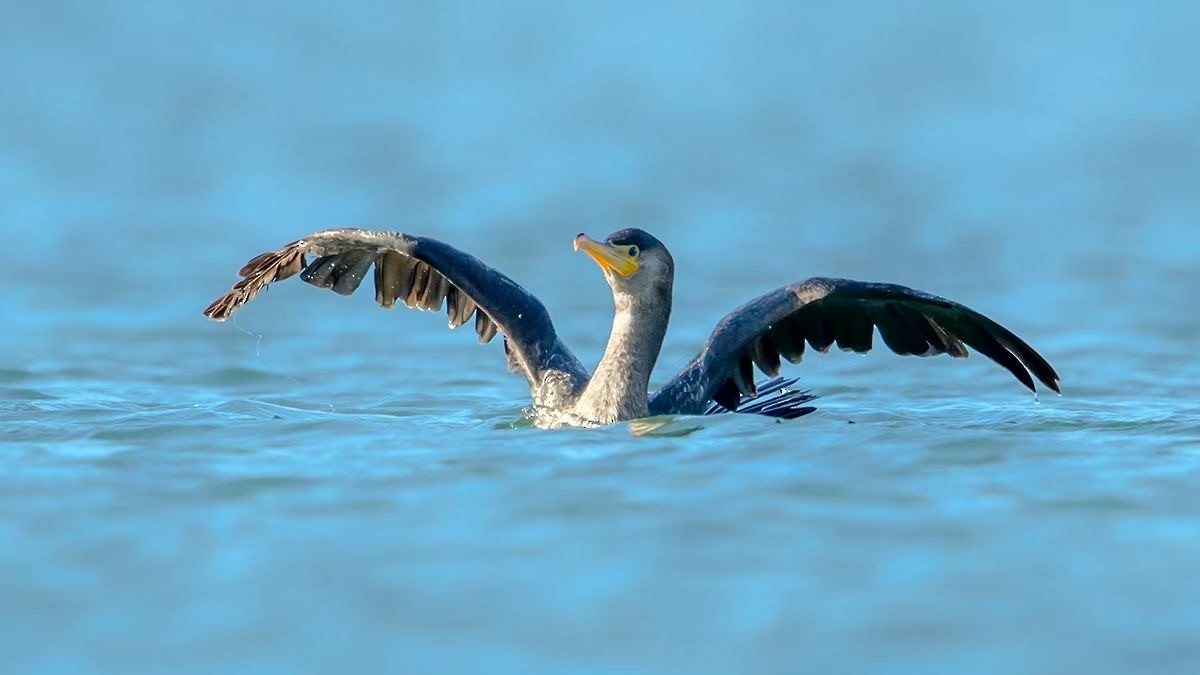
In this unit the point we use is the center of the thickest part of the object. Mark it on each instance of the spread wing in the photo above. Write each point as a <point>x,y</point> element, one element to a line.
<point>823,311</point>
<point>422,273</point>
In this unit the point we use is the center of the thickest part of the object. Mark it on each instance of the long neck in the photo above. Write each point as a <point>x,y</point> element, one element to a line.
<point>618,389</point>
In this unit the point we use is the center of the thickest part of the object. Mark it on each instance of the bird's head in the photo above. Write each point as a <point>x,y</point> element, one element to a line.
<point>636,265</point>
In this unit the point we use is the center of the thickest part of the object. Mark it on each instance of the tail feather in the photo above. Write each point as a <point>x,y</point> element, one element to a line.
<point>775,398</point>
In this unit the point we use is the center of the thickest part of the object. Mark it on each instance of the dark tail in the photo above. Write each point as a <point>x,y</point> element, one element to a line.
<point>774,399</point>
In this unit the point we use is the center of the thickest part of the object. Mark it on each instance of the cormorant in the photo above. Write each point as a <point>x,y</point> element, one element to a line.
<point>428,274</point>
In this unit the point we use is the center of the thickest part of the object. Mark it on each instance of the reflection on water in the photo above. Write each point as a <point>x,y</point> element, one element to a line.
<point>665,426</point>
<point>322,486</point>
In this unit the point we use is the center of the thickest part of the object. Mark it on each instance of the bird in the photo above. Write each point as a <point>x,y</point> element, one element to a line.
<point>425,273</point>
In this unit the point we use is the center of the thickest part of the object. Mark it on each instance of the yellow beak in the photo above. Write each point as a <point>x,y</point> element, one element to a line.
<point>610,258</point>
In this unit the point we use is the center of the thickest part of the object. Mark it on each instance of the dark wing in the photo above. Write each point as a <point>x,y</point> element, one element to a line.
<point>422,273</point>
<point>823,311</point>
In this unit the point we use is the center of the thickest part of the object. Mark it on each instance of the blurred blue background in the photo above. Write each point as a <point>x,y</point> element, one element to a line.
<point>325,487</point>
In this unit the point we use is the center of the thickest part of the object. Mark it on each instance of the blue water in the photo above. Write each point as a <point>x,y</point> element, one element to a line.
<point>324,487</point>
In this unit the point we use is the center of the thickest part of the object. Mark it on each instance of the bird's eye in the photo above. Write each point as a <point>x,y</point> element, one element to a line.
<point>633,251</point>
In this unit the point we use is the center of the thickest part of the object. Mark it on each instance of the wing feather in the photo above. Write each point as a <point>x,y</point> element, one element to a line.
<point>853,329</point>
<point>320,272</point>
<point>350,271</point>
<point>816,330</point>
<point>766,355</point>
<point>789,339</point>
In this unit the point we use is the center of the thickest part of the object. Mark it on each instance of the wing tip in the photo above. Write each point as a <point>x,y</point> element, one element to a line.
<point>1055,385</point>
<point>256,275</point>
<point>221,309</point>
<point>1051,382</point>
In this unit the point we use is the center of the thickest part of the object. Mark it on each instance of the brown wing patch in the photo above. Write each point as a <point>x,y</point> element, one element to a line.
<point>256,275</point>
<point>393,277</point>
<point>484,327</point>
